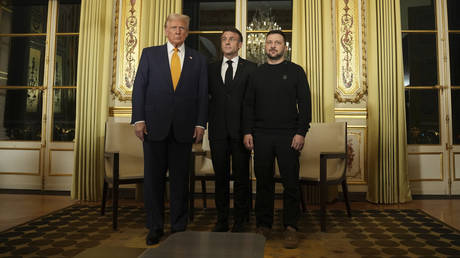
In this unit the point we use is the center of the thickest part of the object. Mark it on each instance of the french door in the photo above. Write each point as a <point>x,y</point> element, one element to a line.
<point>431,53</point>
<point>38,64</point>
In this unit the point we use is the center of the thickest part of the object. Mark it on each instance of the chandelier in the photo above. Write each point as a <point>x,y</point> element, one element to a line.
<point>261,21</point>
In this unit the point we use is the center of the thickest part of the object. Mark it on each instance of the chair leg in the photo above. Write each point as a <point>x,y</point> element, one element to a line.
<point>250,194</point>
<point>345,196</point>
<point>104,197</point>
<point>203,191</point>
<point>115,206</point>
<point>323,192</point>
<point>302,198</point>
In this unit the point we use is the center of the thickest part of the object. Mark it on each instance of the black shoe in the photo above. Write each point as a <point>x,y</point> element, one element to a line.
<point>240,226</point>
<point>154,236</point>
<point>220,227</point>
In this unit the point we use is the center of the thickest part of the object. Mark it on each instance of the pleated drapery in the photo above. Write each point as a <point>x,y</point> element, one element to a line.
<point>387,155</point>
<point>153,17</point>
<point>313,49</point>
<point>94,72</point>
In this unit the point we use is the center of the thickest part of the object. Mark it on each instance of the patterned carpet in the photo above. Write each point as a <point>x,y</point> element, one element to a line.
<point>370,233</point>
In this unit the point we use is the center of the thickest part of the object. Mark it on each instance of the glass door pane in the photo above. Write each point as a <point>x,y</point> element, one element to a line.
<point>420,59</point>
<point>418,15</point>
<point>210,15</point>
<point>422,115</point>
<point>23,16</point>
<point>456,116</point>
<point>269,15</point>
<point>262,17</point>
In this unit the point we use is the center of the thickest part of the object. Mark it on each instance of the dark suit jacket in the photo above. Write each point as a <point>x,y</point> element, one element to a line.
<point>156,102</point>
<point>225,104</point>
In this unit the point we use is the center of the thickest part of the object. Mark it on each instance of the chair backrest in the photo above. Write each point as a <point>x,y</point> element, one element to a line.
<point>324,137</point>
<point>203,163</point>
<point>120,137</point>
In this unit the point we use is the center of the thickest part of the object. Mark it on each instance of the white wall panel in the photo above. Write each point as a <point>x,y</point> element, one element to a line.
<point>19,161</point>
<point>425,166</point>
<point>62,162</point>
<point>457,166</point>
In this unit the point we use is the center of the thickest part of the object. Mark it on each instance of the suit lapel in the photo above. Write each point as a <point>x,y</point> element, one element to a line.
<point>165,60</point>
<point>239,70</point>
<point>219,74</point>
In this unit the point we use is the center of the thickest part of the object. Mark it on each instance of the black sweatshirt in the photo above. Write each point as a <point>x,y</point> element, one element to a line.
<point>277,100</point>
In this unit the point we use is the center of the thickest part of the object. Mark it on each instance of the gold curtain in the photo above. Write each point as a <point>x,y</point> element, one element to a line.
<point>153,17</point>
<point>313,49</point>
<point>387,156</point>
<point>94,74</point>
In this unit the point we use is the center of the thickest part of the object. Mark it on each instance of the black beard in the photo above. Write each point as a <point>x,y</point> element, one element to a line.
<point>275,57</point>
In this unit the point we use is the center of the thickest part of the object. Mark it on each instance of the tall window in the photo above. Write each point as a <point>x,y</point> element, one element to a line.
<point>432,86</point>
<point>65,72</point>
<point>23,30</point>
<point>209,17</point>
<point>421,80</point>
<point>38,65</point>
<point>453,10</point>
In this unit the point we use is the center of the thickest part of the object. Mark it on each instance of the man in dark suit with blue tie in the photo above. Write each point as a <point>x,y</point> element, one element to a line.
<point>228,79</point>
<point>170,105</point>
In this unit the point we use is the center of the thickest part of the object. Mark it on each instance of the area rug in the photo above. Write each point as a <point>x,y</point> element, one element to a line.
<point>369,233</point>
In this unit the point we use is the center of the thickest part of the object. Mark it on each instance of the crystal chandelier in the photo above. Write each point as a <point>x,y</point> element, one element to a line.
<point>261,21</point>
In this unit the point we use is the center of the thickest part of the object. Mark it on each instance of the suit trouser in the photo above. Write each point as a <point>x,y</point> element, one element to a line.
<point>267,146</point>
<point>159,157</point>
<point>221,150</point>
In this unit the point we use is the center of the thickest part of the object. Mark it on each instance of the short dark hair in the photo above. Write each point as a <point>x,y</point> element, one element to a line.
<point>234,30</point>
<point>277,32</point>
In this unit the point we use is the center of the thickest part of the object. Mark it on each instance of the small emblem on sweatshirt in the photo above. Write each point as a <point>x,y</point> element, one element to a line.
<point>284,77</point>
<point>190,57</point>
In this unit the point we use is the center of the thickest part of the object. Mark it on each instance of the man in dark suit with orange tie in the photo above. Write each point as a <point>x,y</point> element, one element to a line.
<point>170,105</point>
<point>227,84</point>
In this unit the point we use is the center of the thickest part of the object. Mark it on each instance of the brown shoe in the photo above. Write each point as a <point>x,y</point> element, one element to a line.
<point>291,239</point>
<point>265,231</point>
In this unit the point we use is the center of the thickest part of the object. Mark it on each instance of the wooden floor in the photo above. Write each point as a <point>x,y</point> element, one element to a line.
<point>16,209</point>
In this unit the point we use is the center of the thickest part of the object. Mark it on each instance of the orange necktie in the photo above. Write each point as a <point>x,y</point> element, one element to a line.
<point>175,68</point>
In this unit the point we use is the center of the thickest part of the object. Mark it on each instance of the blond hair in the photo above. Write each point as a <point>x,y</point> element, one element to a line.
<point>176,16</point>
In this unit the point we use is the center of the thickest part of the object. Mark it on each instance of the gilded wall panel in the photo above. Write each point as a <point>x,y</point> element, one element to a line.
<point>126,50</point>
<point>351,51</point>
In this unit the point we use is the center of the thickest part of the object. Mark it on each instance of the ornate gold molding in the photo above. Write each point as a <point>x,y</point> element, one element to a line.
<point>120,111</point>
<point>351,50</point>
<point>126,48</point>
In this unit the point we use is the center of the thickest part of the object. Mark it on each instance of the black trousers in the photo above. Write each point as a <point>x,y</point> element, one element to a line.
<point>160,157</point>
<point>267,146</point>
<point>221,151</point>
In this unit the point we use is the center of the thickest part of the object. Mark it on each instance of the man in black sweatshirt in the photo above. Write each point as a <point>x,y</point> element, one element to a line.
<point>276,118</point>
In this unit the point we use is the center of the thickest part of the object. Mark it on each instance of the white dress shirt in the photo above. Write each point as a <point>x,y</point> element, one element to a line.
<point>180,53</point>
<point>224,66</point>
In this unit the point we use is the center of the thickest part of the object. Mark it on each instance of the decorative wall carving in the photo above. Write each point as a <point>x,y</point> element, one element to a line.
<point>351,52</point>
<point>127,51</point>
